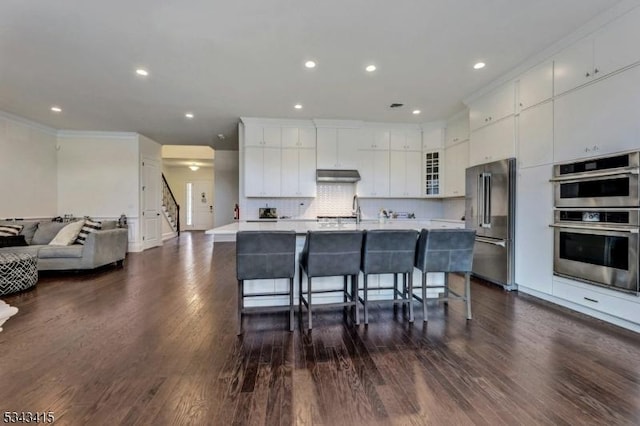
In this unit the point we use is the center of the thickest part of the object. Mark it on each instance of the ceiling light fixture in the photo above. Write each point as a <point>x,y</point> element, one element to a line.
<point>479,66</point>
<point>416,111</point>
<point>194,167</point>
<point>221,136</point>
<point>142,72</point>
<point>297,106</point>
<point>310,64</point>
<point>56,109</point>
<point>370,68</point>
<point>189,115</point>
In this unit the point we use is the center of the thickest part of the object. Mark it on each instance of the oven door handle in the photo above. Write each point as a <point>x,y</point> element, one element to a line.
<point>596,228</point>
<point>586,176</point>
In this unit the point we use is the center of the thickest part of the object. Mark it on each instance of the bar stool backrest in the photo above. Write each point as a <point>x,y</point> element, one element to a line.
<point>389,251</point>
<point>265,254</point>
<point>332,253</point>
<point>445,250</point>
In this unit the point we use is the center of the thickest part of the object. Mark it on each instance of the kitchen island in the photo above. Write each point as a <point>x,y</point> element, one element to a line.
<point>227,233</point>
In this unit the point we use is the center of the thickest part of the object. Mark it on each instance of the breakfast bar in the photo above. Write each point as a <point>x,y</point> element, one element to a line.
<point>227,233</point>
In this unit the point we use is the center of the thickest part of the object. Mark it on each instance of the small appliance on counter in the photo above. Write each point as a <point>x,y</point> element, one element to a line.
<point>267,213</point>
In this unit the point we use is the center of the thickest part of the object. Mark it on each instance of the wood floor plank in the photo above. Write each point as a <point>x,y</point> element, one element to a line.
<point>154,342</point>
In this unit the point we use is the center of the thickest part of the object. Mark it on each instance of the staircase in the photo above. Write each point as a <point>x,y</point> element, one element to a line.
<point>170,206</point>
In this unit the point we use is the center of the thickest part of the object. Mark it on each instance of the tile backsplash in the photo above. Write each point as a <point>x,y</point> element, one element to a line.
<point>335,199</point>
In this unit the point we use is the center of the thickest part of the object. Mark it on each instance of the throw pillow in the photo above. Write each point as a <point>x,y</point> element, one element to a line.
<point>88,227</point>
<point>13,241</point>
<point>45,232</point>
<point>67,235</point>
<point>10,230</point>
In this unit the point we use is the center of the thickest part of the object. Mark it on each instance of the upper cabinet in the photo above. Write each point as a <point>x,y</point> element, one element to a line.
<point>535,86</point>
<point>266,136</point>
<point>456,160</point>
<point>337,148</point>
<point>406,140</point>
<point>602,53</point>
<point>298,137</point>
<point>457,129</point>
<point>491,143</point>
<point>432,137</point>
<point>598,119</point>
<point>374,138</point>
<point>535,136</point>
<point>492,107</point>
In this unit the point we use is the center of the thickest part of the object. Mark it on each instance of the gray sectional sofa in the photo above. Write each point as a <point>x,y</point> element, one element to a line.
<point>102,247</point>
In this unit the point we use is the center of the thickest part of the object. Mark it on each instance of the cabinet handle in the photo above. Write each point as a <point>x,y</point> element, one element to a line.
<point>587,75</point>
<point>595,71</point>
<point>590,300</point>
<point>520,104</point>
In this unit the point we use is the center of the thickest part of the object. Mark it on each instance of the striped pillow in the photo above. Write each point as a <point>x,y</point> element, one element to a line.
<point>88,227</point>
<point>10,230</point>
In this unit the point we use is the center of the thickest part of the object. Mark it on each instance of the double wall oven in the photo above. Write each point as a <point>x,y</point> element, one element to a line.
<point>596,221</point>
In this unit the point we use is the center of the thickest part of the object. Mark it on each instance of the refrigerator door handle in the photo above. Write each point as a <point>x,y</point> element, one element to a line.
<point>487,203</point>
<point>480,200</point>
<point>501,243</point>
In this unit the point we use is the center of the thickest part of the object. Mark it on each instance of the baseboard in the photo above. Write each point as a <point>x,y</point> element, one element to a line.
<point>169,235</point>
<point>135,247</point>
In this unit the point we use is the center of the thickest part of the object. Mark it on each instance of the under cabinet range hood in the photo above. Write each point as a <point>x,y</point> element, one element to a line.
<point>330,175</point>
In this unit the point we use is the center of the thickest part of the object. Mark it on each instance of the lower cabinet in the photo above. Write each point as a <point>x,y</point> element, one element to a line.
<point>374,173</point>
<point>534,237</point>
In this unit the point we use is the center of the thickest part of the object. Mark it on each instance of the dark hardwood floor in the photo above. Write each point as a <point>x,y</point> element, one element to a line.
<point>154,343</point>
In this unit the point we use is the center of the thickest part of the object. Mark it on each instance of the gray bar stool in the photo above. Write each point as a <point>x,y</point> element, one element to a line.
<point>445,250</point>
<point>329,254</point>
<point>262,255</point>
<point>389,252</point>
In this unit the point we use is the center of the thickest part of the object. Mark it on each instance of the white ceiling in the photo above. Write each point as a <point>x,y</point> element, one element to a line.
<point>223,60</point>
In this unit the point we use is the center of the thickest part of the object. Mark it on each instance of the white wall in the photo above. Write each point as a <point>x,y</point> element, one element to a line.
<point>453,208</point>
<point>177,178</point>
<point>98,174</point>
<point>225,191</point>
<point>28,169</point>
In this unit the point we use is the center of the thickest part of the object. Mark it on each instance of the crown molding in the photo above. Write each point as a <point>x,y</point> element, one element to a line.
<point>41,127</point>
<point>80,134</point>
<point>277,121</point>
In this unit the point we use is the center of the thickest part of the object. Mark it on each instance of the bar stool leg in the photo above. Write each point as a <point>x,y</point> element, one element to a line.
<point>446,288</point>
<point>366,299</point>
<point>291,304</point>
<point>424,296</point>
<point>355,296</point>
<point>240,305</point>
<point>309,301</point>
<point>300,291</point>
<point>410,290</point>
<point>467,293</point>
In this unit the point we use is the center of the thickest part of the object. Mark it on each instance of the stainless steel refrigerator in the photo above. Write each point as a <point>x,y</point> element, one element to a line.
<point>490,206</point>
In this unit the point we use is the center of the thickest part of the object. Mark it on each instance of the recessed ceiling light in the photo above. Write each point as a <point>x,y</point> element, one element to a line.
<point>370,68</point>
<point>297,106</point>
<point>189,115</point>
<point>194,167</point>
<point>142,72</point>
<point>310,64</point>
<point>479,66</point>
<point>221,136</point>
<point>56,109</point>
<point>416,111</point>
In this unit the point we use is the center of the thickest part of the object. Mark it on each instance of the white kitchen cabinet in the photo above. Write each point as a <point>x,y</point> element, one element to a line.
<point>258,135</point>
<point>535,136</point>
<point>405,176</point>
<point>406,140</point>
<point>492,107</point>
<point>298,137</point>
<point>534,237</point>
<point>337,148</point>
<point>456,160</point>
<point>432,166</point>
<point>493,142</point>
<point>457,130</point>
<point>375,138</point>
<point>298,177</point>
<point>535,86</point>
<point>599,119</point>
<point>608,50</point>
<point>432,138</point>
<point>262,171</point>
<point>374,173</point>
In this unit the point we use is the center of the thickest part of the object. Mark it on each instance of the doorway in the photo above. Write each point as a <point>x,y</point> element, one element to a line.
<point>199,205</point>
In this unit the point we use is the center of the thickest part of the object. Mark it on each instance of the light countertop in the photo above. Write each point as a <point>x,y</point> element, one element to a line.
<point>302,227</point>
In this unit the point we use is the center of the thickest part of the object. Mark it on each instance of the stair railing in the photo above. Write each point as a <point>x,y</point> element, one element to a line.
<point>170,203</point>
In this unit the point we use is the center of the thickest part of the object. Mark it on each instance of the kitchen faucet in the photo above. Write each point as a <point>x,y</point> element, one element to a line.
<point>355,206</point>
